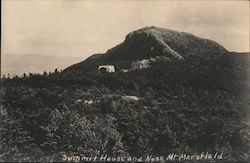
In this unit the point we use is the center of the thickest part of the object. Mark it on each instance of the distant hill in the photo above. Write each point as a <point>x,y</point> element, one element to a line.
<point>151,42</point>
<point>18,64</point>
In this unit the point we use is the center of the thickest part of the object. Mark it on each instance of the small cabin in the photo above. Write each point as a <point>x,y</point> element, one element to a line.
<point>145,63</point>
<point>106,68</point>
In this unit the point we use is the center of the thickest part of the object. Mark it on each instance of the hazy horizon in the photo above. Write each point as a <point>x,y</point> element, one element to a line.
<point>79,29</point>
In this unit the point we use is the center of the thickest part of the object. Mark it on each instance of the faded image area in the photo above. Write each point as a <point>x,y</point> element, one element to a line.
<point>125,81</point>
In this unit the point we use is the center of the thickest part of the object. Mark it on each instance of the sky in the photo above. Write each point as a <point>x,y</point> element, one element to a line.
<point>80,28</point>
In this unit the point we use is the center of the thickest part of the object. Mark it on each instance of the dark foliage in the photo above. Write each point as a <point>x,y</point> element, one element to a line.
<point>191,106</point>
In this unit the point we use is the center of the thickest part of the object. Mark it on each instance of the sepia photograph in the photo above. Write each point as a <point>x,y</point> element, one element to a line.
<point>125,81</point>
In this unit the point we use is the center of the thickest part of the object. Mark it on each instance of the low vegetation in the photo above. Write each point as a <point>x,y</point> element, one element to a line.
<point>186,107</point>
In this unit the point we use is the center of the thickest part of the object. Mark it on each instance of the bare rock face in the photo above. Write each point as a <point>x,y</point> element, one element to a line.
<point>154,41</point>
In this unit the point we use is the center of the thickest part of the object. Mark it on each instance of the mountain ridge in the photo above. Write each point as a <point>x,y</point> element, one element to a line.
<point>151,42</point>
<point>17,64</point>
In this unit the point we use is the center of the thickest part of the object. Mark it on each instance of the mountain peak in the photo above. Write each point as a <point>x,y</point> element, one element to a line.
<point>151,42</point>
<point>156,37</point>
<point>152,30</point>
<point>176,44</point>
